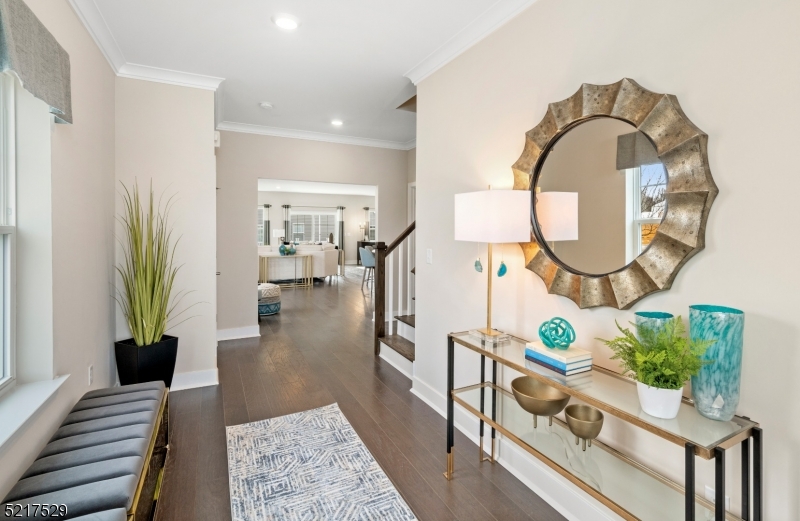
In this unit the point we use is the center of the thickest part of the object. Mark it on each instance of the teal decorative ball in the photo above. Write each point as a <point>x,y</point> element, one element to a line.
<point>557,333</point>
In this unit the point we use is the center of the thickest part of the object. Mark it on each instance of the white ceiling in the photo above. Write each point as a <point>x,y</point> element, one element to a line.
<point>347,60</point>
<point>311,187</point>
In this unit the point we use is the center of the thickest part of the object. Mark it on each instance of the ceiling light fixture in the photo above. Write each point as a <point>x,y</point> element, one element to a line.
<point>336,122</point>
<point>265,105</point>
<point>286,22</point>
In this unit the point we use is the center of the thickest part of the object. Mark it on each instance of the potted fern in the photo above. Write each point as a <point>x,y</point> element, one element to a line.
<point>148,273</point>
<point>661,360</point>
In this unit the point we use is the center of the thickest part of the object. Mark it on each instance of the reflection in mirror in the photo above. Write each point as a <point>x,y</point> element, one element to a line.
<point>620,185</point>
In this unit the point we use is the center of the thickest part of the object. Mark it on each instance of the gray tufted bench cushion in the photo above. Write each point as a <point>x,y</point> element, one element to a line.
<point>109,448</point>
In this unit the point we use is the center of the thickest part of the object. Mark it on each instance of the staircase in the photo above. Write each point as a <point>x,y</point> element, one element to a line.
<point>394,301</point>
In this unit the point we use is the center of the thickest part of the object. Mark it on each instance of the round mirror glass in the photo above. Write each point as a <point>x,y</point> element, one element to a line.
<point>600,196</point>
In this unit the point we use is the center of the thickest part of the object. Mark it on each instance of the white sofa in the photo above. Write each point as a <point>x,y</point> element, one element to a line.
<point>324,261</point>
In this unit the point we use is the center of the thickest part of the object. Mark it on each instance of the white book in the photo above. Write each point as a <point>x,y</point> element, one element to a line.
<point>568,356</point>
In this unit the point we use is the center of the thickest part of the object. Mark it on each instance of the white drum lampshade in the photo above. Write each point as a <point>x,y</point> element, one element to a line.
<point>279,233</point>
<point>493,216</point>
<point>557,214</point>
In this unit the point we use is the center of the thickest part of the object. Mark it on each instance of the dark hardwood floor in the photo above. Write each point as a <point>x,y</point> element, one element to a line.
<point>318,351</point>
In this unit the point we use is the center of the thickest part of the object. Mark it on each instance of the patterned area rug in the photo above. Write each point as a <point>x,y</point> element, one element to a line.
<point>308,466</point>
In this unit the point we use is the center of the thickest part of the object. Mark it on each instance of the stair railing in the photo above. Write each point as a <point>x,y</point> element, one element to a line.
<point>394,284</point>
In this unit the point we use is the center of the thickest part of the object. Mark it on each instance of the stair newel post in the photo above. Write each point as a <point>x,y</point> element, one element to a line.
<point>380,294</point>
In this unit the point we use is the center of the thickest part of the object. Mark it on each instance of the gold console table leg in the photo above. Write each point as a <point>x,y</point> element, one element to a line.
<point>449,473</point>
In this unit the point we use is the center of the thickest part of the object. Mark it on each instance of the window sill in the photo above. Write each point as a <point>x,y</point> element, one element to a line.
<point>19,404</point>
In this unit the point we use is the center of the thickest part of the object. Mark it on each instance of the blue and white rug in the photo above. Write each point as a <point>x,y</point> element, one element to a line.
<point>308,466</point>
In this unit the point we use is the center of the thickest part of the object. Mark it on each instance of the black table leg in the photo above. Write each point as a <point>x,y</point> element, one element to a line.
<point>746,480</point>
<point>480,422</point>
<point>450,369</point>
<point>758,461</point>
<point>719,484</point>
<point>689,488</point>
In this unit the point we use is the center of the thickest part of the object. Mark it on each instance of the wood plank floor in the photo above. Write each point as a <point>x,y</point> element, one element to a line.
<point>318,351</point>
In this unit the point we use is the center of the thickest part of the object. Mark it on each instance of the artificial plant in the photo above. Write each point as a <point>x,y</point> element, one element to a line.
<point>660,357</point>
<point>148,270</point>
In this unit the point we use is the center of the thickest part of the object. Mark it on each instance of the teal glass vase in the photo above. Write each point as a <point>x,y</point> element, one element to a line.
<point>716,388</point>
<point>652,320</point>
<point>282,249</point>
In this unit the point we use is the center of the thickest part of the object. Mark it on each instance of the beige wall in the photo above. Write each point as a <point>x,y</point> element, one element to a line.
<point>585,161</point>
<point>353,212</point>
<point>166,133</point>
<point>243,158</point>
<point>412,165</point>
<point>82,183</point>
<point>733,67</point>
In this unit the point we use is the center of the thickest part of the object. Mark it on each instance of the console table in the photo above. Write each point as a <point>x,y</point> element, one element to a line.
<point>629,488</point>
<point>306,278</point>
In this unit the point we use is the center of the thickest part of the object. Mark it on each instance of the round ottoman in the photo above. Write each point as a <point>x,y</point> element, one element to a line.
<point>269,299</point>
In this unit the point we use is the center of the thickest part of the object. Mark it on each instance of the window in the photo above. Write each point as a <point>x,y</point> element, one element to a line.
<point>647,204</point>
<point>7,228</point>
<point>260,233</point>
<point>372,225</point>
<point>312,227</point>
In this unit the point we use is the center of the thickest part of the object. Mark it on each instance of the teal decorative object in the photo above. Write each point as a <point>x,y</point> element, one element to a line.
<point>502,270</point>
<point>282,249</point>
<point>557,333</point>
<point>716,388</point>
<point>292,250</point>
<point>652,320</point>
<point>478,266</point>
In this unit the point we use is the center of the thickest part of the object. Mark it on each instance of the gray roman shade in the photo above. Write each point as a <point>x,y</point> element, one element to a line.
<point>29,50</point>
<point>634,150</point>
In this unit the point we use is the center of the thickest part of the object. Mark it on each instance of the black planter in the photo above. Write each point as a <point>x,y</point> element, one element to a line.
<point>147,363</point>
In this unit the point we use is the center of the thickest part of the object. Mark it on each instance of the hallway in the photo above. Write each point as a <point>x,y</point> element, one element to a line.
<point>317,351</point>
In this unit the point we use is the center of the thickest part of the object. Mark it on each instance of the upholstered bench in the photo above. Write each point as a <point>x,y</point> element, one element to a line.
<point>104,462</point>
<point>269,299</point>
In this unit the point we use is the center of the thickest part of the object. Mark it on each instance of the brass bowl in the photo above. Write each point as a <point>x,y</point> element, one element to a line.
<point>584,421</point>
<point>538,398</point>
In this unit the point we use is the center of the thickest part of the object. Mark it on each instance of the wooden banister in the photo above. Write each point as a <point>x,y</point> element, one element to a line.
<point>382,251</point>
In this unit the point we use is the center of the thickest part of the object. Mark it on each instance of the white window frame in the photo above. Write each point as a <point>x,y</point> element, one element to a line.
<point>633,231</point>
<point>372,232</point>
<point>8,230</point>
<point>315,224</point>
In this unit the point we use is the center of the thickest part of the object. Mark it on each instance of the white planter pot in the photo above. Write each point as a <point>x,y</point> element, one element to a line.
<point>661,403</point>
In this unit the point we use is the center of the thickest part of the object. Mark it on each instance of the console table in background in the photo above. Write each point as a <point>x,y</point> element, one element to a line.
<point>306,278</point>
<point>629,488</point>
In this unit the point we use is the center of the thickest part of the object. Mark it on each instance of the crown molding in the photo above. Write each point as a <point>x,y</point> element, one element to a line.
<point>184,79</point>
<point>314,136</point>
<point>484,25</point>
<point>91,17</point>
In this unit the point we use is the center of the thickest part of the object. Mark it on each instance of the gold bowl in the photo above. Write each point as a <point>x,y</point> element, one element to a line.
<point>584,421</point>
<point>538,398</point>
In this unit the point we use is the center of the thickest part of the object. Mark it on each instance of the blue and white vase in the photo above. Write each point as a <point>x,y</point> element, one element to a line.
<point>652,320</point>
<point>716,388</point>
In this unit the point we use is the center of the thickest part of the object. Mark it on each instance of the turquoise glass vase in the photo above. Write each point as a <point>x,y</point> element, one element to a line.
<point>282,249</point>
<point>716,388</point>
<point>652,320</point>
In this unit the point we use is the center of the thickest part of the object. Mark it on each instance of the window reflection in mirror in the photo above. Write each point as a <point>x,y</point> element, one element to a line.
<point>621,187</point>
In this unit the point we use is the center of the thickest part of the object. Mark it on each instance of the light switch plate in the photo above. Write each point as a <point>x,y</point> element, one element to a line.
<point>429,256</point>
<point>91,374</point>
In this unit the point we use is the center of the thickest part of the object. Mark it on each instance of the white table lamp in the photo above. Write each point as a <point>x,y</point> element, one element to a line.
<point>493,216</point>
<point>557,214</point>
<point>279,233</point>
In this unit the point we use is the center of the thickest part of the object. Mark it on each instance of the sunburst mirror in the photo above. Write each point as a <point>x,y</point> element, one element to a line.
<point>638,169</point>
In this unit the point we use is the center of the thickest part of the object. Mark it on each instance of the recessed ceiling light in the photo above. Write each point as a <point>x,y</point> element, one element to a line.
<point>265,105</point>
<point>336,122</point>
<point>286,22</point>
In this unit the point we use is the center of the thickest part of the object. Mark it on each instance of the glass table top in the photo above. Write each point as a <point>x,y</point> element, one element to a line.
<point>617,396</point>
<point>640,492</point>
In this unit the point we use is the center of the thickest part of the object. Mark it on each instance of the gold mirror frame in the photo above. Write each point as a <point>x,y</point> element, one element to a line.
<point>690,192</point>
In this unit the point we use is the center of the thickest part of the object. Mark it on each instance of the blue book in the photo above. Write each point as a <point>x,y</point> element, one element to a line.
<point>558,370</point>
<point>536,356</point>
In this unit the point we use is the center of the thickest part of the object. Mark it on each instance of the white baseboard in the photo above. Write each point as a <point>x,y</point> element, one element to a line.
<point>238,332</point>
<point>194,379</point>
<point>566,498</point>
<point>398,361</point>
<point>351,262</point>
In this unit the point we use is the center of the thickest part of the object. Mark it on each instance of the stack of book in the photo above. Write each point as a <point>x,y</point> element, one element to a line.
<point>566,362</point>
